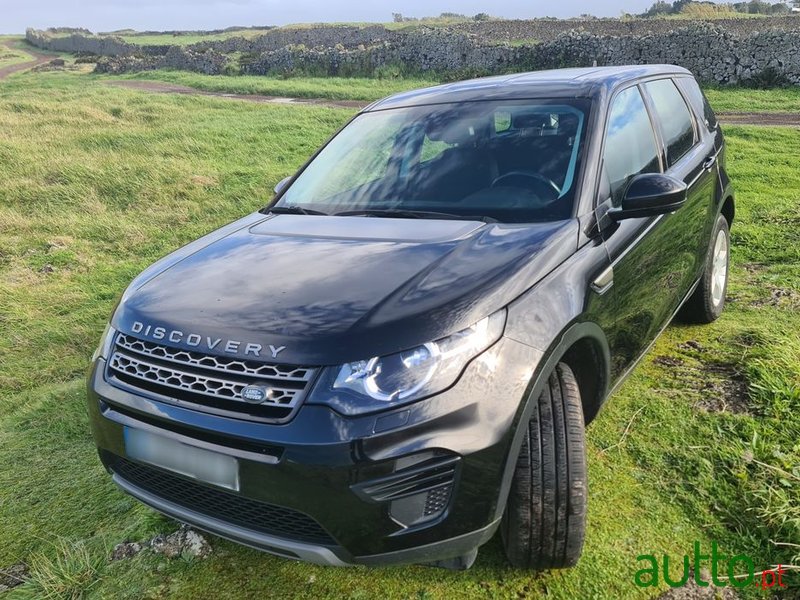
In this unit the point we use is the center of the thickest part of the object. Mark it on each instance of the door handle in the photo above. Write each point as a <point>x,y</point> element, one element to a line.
<point>709,162</point>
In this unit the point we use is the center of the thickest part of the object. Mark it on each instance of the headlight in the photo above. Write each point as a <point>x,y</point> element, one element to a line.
<point>104,349</point>
<point>372,384</point>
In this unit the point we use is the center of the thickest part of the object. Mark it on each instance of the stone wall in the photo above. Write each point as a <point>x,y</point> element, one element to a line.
<point>712,53</point>
<point>90,44</point>
<point>732,51</point>
<point>544,30</point>
<point>208,62</point>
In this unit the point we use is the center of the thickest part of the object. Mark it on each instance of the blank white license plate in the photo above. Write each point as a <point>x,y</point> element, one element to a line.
<point>198,463</point>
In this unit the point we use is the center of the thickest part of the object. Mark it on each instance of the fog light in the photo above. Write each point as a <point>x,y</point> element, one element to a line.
<point>428,504</point>
<point>418,490</point>
<point>422,507</point>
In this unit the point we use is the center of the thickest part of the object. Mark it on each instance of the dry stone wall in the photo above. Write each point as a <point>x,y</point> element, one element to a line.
<point>90,44</point>
<point>726,52</point>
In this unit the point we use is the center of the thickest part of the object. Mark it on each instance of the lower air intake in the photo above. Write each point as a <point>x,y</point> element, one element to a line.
<point>225,506</point>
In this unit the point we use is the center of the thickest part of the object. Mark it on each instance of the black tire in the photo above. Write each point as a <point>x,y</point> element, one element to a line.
<point>702,307</point>
<point>544,522</point>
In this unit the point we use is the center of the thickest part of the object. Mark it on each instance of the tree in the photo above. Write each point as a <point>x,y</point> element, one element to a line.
<point>678,5</point>
<point>658,8</point>
<point>482,17</point>
<point>758,7</point>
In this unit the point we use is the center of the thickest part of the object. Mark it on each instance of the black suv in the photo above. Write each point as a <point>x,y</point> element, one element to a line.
<point>398,355</point>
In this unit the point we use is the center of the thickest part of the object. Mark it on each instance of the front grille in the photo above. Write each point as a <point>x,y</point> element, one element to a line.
<point>232,508</point>
<point>207,382</point>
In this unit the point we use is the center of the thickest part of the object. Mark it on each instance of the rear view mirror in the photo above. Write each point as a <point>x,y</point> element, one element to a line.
<point>279,187</point>
<point>651,194</point>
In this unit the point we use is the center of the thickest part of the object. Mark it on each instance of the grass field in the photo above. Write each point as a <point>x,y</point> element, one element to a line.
<point>11,56</point>
<point>343,88</point>
<point>189,38</point>
<point>334,88</point>
<point>100,181</point>
<point>745,100</point>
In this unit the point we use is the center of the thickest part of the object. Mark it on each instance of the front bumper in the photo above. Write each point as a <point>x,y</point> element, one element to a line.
<point>322,466</point>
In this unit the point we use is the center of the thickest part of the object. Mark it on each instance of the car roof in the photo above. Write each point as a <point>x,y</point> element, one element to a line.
<point>587,82</point>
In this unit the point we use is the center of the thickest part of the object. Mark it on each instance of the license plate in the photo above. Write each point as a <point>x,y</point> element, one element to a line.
<point>198,463</point>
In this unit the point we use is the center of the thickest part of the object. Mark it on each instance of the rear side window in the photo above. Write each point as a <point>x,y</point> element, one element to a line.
<point>698,101</point>
<point>630,147</point>
<point>674,116</point>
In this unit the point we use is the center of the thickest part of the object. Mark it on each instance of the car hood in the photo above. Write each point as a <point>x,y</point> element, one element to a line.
<point>326,290</point>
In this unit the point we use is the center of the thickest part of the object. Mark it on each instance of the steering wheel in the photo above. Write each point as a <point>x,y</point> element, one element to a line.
<point>525,179</point>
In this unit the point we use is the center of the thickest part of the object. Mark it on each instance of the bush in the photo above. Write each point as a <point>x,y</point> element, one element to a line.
<point>767,79</point>
<point>394,71</point>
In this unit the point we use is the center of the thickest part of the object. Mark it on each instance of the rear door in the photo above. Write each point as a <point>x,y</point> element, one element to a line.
<point>690,157</point>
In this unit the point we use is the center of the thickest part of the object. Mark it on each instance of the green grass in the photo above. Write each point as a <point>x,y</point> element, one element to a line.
<point>19,45</point>
<point>334,88</point>
<point>748,100</point>
<point>189,38</point>
<point>100,181</point>
<point>12,55</point>
<point>346,88</point>
<point>712,15</point>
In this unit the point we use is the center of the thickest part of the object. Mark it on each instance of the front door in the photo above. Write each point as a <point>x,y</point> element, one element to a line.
<point>654,259</point>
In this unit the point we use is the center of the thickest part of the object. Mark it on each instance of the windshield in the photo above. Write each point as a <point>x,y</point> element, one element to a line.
<point>513,161</point>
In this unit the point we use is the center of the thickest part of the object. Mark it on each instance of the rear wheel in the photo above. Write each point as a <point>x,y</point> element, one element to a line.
<point>544,522</point>
<point>705,305</point>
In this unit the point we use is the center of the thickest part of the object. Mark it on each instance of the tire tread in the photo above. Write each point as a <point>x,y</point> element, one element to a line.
<point>544,523</point>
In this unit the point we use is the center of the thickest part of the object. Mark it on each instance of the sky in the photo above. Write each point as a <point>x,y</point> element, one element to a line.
<point>108,15</point>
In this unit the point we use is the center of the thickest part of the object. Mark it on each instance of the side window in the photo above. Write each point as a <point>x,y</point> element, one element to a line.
<point>699,101</point>
<point>674,116</point>
<point>630,147</point>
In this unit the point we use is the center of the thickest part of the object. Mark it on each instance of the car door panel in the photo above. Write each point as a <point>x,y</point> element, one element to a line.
<point>656,260</point>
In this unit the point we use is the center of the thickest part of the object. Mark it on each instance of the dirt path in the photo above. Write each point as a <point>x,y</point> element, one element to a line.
<point>171,88</point>
<point>37,60</point>
<point>731,118</point>
<point>765,119</point>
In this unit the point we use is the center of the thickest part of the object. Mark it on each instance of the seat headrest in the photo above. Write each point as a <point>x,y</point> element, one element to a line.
<point>453,131</point>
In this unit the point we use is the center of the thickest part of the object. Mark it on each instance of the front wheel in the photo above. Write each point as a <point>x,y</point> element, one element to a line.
<point>545,519</point>
<point>705,305</point>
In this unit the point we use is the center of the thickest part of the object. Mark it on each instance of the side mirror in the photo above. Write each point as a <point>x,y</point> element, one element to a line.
<point>279,187</point>
<point>650,194</point>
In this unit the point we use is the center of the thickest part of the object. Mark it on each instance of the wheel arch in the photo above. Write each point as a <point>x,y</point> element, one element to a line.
<point>588,359</point>
<point>577,344</point>
<point>728,209</point>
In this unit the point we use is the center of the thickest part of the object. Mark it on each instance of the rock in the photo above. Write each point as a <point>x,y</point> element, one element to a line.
<point>125,550</point>
<point>185,541</point>
<point>11,577</point>
<point>48,268</point>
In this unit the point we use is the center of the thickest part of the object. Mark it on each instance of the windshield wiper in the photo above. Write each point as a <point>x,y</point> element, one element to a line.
<point>412,214</point>
<point>293,210</point>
